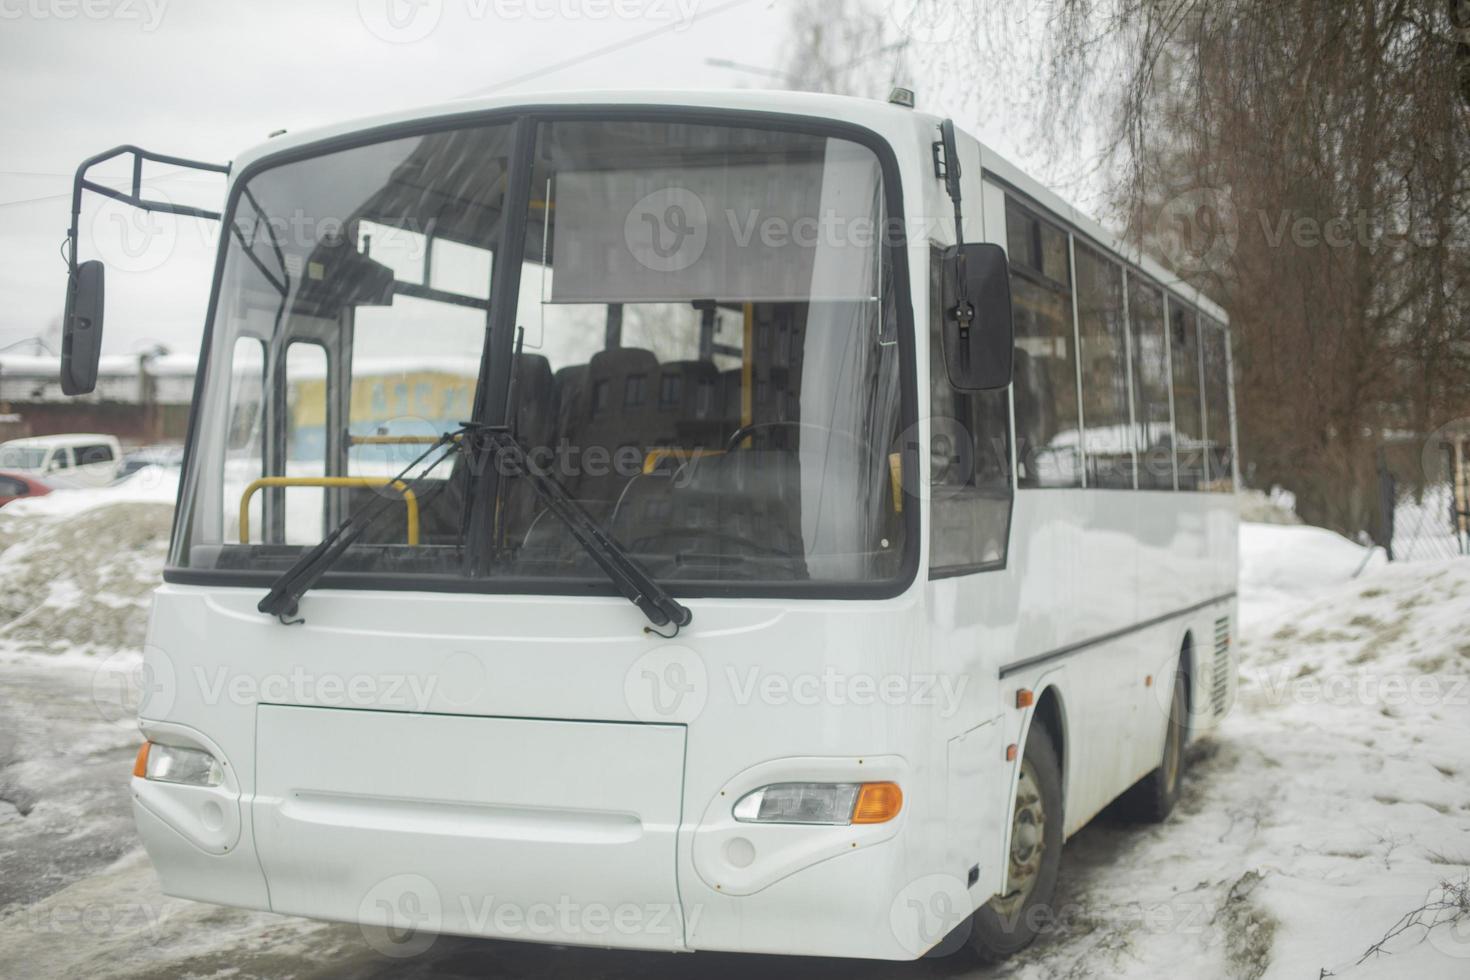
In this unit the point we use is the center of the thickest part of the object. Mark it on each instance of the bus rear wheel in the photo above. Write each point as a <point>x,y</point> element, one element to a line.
<point>1152,799</point>
<point>1008,923</point>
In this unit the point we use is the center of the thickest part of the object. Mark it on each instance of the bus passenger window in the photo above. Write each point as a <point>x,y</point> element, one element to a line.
<point>1045,382</point>
<point>1220,448</point>
<point>1154,433</point>
<point>1103,350</point>
<point>1189,435</point>
<point>970,461</point>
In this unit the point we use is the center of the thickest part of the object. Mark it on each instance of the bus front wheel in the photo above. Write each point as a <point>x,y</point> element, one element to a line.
<point>1008,923</point>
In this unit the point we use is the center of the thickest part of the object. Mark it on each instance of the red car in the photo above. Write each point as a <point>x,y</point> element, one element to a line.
<point>14,486</point>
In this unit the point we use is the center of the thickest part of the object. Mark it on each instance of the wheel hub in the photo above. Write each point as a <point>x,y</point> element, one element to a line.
<point>1028,842</point>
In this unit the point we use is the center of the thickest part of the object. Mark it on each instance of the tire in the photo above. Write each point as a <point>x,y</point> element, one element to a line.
<point>1152,798</point>
<point>1007,924</point>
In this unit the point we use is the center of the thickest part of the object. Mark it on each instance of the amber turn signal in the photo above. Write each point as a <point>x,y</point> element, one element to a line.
<point>140,764</point>
<point>1025,698</point>
<point>877,803</point>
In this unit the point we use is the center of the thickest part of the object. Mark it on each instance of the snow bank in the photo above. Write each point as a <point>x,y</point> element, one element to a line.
<point>1281,563</point>
<point>80,565</point>
<point>150,485</point>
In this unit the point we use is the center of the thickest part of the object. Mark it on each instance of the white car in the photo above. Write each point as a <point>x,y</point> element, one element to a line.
<point>75,460</point>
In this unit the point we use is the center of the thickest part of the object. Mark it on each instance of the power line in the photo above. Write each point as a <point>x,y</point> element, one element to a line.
<point>605,50</point>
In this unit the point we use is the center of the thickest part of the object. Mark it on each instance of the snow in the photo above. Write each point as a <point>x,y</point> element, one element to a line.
<point>1333,802</point>
<point>1280,564</point>
<point>1330,810</point>
<point>151,484</point>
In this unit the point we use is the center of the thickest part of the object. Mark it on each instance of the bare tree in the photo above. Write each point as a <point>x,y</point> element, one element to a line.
<point>1302,161</point>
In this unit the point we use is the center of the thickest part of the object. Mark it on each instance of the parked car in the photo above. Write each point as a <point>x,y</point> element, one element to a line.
<point>144,456</point>
<point>74,460</point>
<point>17,486</point>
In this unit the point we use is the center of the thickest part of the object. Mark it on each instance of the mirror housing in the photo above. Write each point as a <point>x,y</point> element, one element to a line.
<point>81,329</point>
<point>978,348</point>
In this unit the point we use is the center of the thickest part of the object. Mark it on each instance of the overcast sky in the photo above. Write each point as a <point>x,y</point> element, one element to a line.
<point>206,80</point>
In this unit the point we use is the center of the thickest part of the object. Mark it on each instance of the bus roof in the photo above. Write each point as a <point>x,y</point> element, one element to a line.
<point>884,118</point>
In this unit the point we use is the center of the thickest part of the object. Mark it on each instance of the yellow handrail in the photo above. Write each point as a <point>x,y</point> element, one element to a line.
<point>356,440</point>
<point>658,454</point>
<point>409,500</point>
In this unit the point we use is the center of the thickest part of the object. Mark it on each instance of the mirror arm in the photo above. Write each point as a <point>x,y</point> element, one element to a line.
<point>963,311</point>
<point>135,196</point>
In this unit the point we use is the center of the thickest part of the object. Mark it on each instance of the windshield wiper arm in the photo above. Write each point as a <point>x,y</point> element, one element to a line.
<point>284,598</point>
<point>626,574</point>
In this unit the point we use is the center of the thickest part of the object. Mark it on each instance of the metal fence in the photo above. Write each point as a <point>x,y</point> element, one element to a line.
<point>1424,495</point>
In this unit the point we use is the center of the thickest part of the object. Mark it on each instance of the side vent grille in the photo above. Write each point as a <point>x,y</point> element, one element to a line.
<point>1220,673</point>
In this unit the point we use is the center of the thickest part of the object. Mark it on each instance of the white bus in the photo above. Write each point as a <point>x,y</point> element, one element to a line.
<point>756,522</point>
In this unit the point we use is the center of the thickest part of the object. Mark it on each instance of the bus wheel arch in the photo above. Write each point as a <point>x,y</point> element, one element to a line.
<point>1050,716</point>
<point>1187,667</point>
<point>1008,923</point>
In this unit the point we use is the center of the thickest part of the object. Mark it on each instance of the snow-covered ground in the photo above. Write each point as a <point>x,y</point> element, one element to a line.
<point>1331,812</point>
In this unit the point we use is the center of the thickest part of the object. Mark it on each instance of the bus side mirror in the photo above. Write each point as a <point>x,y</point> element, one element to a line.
<point>980,339</point>
<point>81,329</point>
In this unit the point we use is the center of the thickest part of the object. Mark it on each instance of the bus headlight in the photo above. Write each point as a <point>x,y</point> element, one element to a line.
<point>173,764</point>
<point>834,804</point>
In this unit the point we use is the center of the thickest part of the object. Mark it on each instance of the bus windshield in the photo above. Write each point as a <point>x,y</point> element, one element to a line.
<point>690,327</point>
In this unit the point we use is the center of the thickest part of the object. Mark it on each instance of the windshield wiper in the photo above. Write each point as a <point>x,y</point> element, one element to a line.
<point>626,574</point>
<point>284,599</point>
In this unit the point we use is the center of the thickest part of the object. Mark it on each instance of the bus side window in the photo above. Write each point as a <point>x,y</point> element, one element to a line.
<point>1103,354</point>
<point>1219,438</point>
<point>970,456</point>
<point>1153,424</point>
<point>1189,434</point>
<point>1045,383</point>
